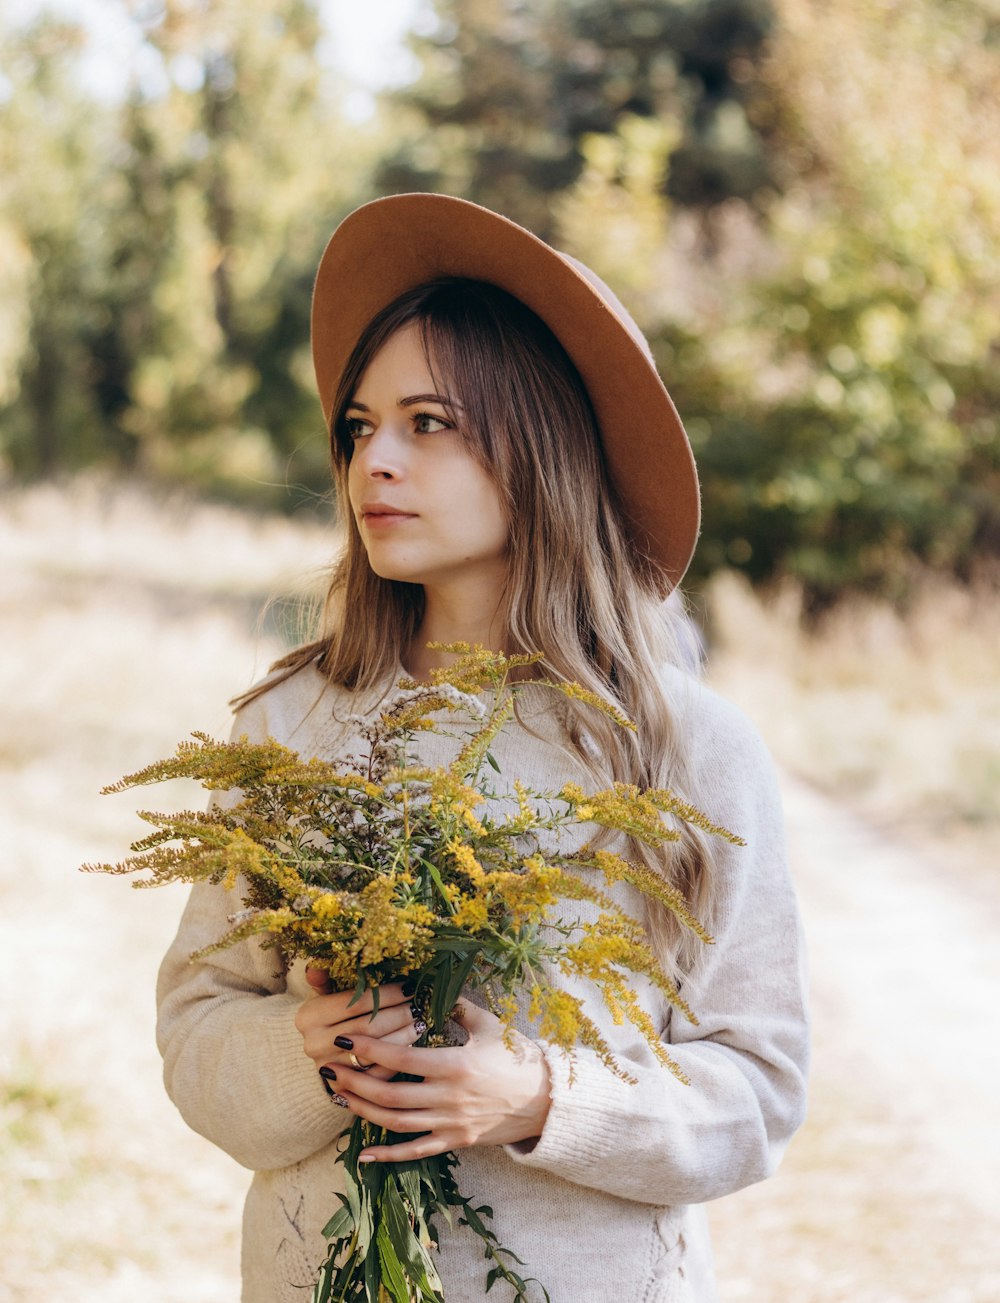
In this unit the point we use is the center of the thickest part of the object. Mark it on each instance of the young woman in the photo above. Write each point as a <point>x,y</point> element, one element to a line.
<point>512,472</point>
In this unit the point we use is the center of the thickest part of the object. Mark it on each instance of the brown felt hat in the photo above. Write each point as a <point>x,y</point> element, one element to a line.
<point>392,245</point>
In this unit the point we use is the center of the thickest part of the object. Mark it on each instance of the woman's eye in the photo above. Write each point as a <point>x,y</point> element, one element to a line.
<point>425,423</point>
<point>355,428</point>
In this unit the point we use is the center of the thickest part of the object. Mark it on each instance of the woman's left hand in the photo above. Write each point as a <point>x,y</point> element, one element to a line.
<point>480,1093</point>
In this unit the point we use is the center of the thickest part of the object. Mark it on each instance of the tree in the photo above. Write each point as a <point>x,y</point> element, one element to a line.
<point>510,89</point>
<point>51,144</point>
<point>864,431</point>
<point>164,246</point>
<point>253,155</point>
<point>837,368</point>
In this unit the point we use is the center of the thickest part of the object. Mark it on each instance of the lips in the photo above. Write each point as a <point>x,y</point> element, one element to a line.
<point>383,513</point>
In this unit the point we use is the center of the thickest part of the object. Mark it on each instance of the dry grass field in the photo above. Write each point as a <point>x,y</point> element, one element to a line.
<point>130,621</point>
<point>888,731</point>
<point>899,716</point>
<point>127,623</point>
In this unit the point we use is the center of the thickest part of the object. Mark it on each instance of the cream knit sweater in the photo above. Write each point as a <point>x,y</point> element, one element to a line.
<point>600,1208</point>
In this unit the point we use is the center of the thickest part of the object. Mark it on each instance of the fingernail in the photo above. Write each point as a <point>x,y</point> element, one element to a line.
<point>328,1073</point>
<point>409,986</point>
<point>334,1095</point>
<point>343,1042</point>
<point>367,1158</point>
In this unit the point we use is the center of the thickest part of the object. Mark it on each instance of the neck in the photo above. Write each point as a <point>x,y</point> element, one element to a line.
<point>449,617</point>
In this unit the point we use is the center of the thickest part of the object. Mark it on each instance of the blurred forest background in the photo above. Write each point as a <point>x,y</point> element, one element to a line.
<point>800,202</point>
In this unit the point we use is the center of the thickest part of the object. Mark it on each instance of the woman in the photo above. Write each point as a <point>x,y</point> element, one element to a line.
<point>512,473</point>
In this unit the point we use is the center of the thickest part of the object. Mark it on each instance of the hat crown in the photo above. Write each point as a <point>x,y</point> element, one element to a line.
<point>614,303</point>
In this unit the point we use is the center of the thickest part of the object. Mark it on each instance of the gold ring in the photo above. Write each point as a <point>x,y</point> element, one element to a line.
<point>356,1063</point>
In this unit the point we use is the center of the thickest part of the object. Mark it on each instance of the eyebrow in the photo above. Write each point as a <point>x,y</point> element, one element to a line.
<point>442,400</point>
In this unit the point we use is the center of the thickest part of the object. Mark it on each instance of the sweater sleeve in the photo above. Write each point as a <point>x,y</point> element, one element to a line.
<point>661,1141</point>
<point>234,1063</point>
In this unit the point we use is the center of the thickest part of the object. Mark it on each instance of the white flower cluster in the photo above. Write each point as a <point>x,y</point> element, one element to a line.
<point>464,700</point>
<point>242,916</point>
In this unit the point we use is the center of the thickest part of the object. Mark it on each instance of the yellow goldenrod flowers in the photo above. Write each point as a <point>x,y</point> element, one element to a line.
<point>387,868</point>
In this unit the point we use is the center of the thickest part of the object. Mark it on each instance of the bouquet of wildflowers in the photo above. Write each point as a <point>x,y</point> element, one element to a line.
<point>383,870</point>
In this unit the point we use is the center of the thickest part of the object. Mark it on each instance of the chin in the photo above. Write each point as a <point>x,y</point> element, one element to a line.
<point>386,570</point>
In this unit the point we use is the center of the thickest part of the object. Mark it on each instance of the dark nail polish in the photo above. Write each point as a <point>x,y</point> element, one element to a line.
<point>327,1074</point>
<point>409,986</point>
<point>336,1098</point>
<point>343,1042</point>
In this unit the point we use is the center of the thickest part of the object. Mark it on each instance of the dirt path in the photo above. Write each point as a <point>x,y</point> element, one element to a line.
<point>889,1195</point>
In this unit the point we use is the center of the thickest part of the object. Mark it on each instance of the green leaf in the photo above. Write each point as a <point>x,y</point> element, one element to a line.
<point>372,1276</point>
<point>341,1224</point>
<point>459,976</point>
<point>434,874</point>
<point>392,1273</point>
<point>411,1185</point>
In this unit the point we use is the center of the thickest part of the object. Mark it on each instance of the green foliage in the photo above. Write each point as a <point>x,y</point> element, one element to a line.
<point>246,143</point>
<point>816,269</point>
<point>165,247</point>
<point>841,387</point>
<point>858,428</point>
<point>508,93</point>
<point>52,188</point>
<point>394,1207</point>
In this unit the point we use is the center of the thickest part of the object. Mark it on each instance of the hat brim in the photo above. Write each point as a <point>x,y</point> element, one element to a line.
<point>391,245</point>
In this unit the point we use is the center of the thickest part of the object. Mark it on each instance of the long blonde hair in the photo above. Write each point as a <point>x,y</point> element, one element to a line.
<point>577,587</point>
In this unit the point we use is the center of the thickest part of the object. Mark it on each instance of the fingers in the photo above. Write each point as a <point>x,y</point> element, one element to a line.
<point>479,1093</point>
<point>406,1107</point>
<point>326,1010</point>
<point>414,1060</point>
<point>320,1019</point>
<point>400,1105</point>
<point>319,1038</point>
<point>476,1021</point>
<point>319,980</point>
<point>351,1005</point>
<point>421,1147</point>
<point>408,1035</point>
<point>376,1073</point>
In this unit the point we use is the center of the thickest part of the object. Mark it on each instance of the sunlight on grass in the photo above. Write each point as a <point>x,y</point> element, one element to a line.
<point>900,714</point>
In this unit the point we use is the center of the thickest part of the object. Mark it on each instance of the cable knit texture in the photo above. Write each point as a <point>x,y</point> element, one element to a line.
<point>603,1205</point>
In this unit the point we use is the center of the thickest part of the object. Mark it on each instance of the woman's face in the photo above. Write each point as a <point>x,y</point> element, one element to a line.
<point>427,511</point>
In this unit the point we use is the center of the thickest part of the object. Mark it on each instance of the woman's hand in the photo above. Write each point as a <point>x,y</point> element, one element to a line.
<point>480,1093</point>
<point>330,1014</point>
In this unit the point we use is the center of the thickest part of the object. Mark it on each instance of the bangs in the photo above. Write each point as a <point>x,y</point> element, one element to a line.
<point>515,381</point>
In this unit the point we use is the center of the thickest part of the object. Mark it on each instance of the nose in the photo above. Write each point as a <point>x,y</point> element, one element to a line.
<point>379,456</point>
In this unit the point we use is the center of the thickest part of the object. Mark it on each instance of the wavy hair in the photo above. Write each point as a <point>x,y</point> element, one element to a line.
<point>577,587</point>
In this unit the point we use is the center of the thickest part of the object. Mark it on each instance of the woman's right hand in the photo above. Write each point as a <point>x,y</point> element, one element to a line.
<point>328,1014</point>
